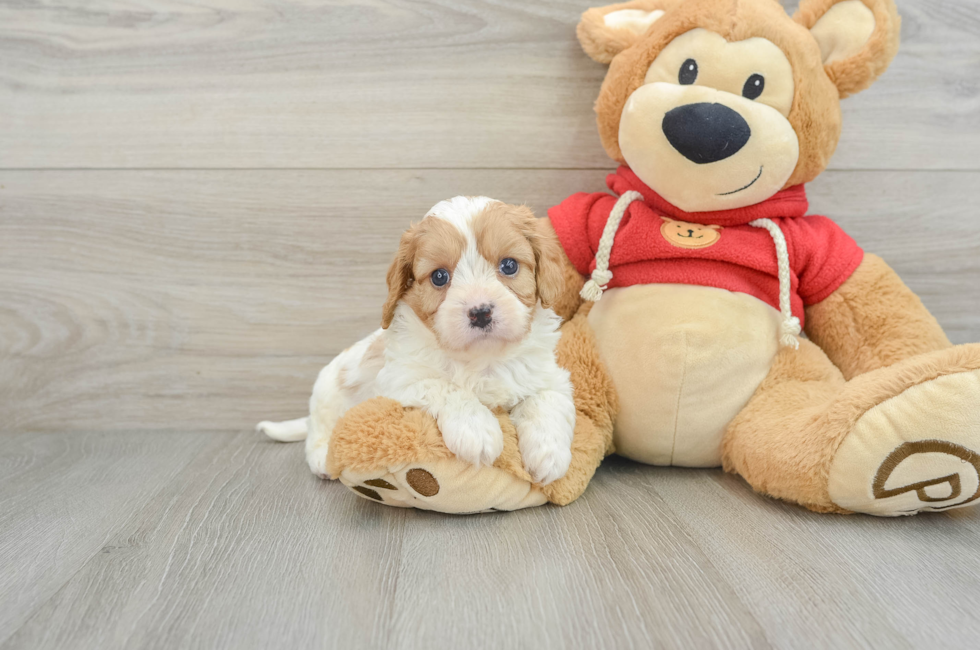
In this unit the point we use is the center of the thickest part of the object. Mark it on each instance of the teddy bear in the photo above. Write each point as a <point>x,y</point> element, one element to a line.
<point>709,319</point>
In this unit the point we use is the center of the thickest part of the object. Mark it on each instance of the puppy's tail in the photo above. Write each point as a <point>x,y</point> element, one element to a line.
<point>288,431</point>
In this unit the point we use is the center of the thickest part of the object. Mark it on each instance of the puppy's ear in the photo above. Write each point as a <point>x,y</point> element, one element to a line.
<point>400,274</point>
<point>604,32</point>
<point>857,38</point>
<point>549,259</point>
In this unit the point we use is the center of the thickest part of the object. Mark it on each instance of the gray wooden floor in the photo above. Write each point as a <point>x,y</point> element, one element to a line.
<point>177,540</point>
<point>198,202</point>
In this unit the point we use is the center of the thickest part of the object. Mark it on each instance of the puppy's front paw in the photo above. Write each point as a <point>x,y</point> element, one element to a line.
<point>472,432</point>
<point>544,433</point>
<point>545,459</point>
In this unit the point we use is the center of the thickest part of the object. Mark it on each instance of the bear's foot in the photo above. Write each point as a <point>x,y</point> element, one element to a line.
<point>450,485</point>
<point>919,448</point>
<point>395,456</point>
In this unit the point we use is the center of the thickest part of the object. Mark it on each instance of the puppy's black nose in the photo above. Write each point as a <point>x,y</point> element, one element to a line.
<point>481,316</point>
<point>706,133</point>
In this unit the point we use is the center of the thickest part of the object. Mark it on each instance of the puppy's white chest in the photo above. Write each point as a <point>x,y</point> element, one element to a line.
<point>496,385</point>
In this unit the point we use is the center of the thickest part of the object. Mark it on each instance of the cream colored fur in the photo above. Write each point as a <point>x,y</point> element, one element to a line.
<point>844,31</point>
<point>760,169</point>
<point>672,351</point>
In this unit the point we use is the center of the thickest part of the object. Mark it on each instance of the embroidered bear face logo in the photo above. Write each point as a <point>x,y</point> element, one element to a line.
<point>689,235</point>
<point>719,104</point>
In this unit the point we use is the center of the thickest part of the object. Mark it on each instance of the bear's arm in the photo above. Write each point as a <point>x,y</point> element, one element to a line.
<point>569,301</point>
<point>872,320</point>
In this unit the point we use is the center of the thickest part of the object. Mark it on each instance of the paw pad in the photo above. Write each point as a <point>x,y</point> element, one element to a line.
<point>368,492</point>
<point>422,482</point>
<point>448,485</point>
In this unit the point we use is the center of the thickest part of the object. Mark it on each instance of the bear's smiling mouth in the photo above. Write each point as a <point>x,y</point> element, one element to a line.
<point>758,176</point>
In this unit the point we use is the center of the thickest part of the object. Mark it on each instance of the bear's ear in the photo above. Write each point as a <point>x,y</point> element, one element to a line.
<point>604,32</point>
<point>857,38</point>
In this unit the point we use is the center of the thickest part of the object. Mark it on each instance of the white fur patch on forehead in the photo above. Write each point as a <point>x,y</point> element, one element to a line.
<point>460,211</point>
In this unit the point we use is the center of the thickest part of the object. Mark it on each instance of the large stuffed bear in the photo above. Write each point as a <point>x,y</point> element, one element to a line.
<point>689,287</point>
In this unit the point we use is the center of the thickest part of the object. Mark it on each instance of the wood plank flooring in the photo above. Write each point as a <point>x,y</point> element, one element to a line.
<point>229,542</point>
<point>62,499</point>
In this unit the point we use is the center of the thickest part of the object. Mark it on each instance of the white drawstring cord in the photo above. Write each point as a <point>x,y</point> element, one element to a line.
<point>592,291</point>
<point>790,328</point>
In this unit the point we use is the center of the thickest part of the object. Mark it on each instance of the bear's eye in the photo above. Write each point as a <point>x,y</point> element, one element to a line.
<point>688,73</point>
<point>754,86</point>
<point>440,277</point>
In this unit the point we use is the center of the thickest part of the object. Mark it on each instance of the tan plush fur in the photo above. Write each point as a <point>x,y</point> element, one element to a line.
<point>602,42</point>
<point>381,432</point>
<point>873,320</point>
<point>878,339</point>
<point>856,73</point>
<point>596,406</point>
<point>777,442</point>
<point>815,115</point>
<point>784,440</point>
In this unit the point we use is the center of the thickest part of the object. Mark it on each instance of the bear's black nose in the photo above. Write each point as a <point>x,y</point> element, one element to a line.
<point>481,316</point>
<point>706,133</point>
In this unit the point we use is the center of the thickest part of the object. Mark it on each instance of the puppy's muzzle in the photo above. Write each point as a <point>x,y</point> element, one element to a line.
<point>706,133</point>
<point>481,317</point>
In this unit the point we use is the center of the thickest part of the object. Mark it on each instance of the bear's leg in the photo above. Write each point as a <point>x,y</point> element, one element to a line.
<point>893,441</point>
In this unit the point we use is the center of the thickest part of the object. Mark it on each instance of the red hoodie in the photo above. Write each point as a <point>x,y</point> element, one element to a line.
<point>740,258</point>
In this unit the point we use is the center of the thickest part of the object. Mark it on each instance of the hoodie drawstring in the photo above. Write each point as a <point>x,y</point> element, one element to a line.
<point>790,327</point>
<point>592,291</point>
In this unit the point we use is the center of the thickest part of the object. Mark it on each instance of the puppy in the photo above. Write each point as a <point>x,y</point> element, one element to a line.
<point>467,327</point>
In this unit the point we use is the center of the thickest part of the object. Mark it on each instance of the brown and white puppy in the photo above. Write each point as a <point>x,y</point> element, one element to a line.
<point>467,327</point>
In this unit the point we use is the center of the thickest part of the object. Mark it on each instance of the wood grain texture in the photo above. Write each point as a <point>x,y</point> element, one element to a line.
<point>856,581</point>
<point>244,548</point>
<point>198,202</point>
<point>210,300</point>
<point>616,570</point>
<point>387,83</point>
<point>62,498</point>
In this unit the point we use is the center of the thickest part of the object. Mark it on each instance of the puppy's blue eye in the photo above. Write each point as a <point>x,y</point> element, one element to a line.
<point>440,277</point>
<point>508,266</point>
